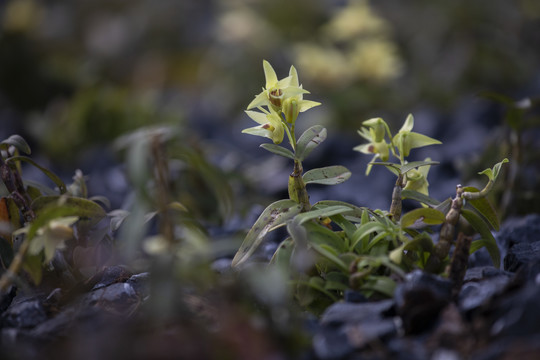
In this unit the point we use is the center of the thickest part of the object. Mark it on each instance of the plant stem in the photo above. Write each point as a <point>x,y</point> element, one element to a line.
<point>161,175</point>
<point>395,206</point>
<point>448,229</point>
<point>297,187</point>
<point>459,263</point>
<point>15,266</point>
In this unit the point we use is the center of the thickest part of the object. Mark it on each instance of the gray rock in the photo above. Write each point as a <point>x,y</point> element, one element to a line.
<point>24,314</point>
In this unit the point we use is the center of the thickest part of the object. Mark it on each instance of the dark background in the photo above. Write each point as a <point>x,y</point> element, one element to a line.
<point>75,75</point>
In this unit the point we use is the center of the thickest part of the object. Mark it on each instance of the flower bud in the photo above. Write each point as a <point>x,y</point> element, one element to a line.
<point>377,128</point>
<point>404,143</point>
<point>276,97</point>
<point>291,110</point>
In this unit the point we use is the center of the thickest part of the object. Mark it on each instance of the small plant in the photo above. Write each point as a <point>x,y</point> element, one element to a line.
<point>38,220</point>
<point>333,246</point>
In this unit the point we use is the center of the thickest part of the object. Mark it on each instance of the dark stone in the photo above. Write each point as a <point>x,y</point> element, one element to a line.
<point>111,275</point>
<point>518,314</point>
<point>119,298</point>
<point>352,313</point>
<point>520,254</point>
<point>514,231</point>
<point>420,299</point>
<point>331,343</point>
<point>354,296</point>
<point>24,314</point>
<point>473,294</point>
<point>141,284</point>
<point>484,272</point>
<point>347,327</point>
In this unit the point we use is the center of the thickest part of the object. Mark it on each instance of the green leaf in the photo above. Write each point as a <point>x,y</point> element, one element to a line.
<point>363,232</point>
<point>353,209</point>
<point>282,256</point>
<point>274,216</point>
<point>278,150</point>
<point>381,284</point>
<point>323,251</point>
<point>483,206</point>
<point>415,164</point>
<point>493,173</point>
<point>32,264</point>
<point>477,245</point>
<point>309,140</point>
<point>348,227</point>
<point>336,280</point>
<point>415,195</point>
<point>46,171</point>
<point>422,217</point>
<point>321,235</point>
<point>330,175</point>
<point>315,214</point>
<point>70,206</point>
<point>18,142</point>
<point>483,229</point>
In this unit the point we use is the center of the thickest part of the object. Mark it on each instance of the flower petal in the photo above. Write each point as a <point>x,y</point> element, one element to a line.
<point>293,91</point>
<point>364,148</point>
<point>258,131</point>
<point>307,104</point>
<point>258,117</point>
<point>294,76</point>
<point>269,74</point>
<point>418,140</point>
<point>408,124</point>
<point>260,100</point>
<point>283,83</point>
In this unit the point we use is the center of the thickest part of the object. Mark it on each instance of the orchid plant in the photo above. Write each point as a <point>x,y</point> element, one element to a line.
<point>333,246</point>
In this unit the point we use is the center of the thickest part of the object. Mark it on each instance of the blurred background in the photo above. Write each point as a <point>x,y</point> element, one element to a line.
<point>75,75</point>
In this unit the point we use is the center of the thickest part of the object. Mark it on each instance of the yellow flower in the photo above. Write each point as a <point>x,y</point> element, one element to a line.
<point>271,125</point>
<point>405,139</point>
<point>276,91</point>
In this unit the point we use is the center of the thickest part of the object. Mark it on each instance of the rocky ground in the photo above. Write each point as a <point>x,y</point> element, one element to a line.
<point>495,316</point>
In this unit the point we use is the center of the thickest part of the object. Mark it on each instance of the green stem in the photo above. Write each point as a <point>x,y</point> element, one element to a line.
<point>395,206</point>
<point>290,134</point>
<point>297,187</point>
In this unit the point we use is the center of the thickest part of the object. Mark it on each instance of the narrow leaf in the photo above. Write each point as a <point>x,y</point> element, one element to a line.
<point>73,206</point>
<point>32,264</point>
<point>353,209</point>
<point>330,175</point>
<point>415,195</point>
<point>18,142</point>
<point>309,140</point>
<point>282,256</point>
<point>278,150</point>
<point>483,206</point>
<point>483,229</point>
<point>46,171</point>
<point>274,216</point>
<point>315,214</point>
<point>365,230</point>
<point>321,235</point>
<point>415,164</point>
<point>323,251</point>
<point>422,217</point>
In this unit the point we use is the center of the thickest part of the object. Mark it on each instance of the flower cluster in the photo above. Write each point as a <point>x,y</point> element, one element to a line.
<point>400,145</point>
<point>283,100</point>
